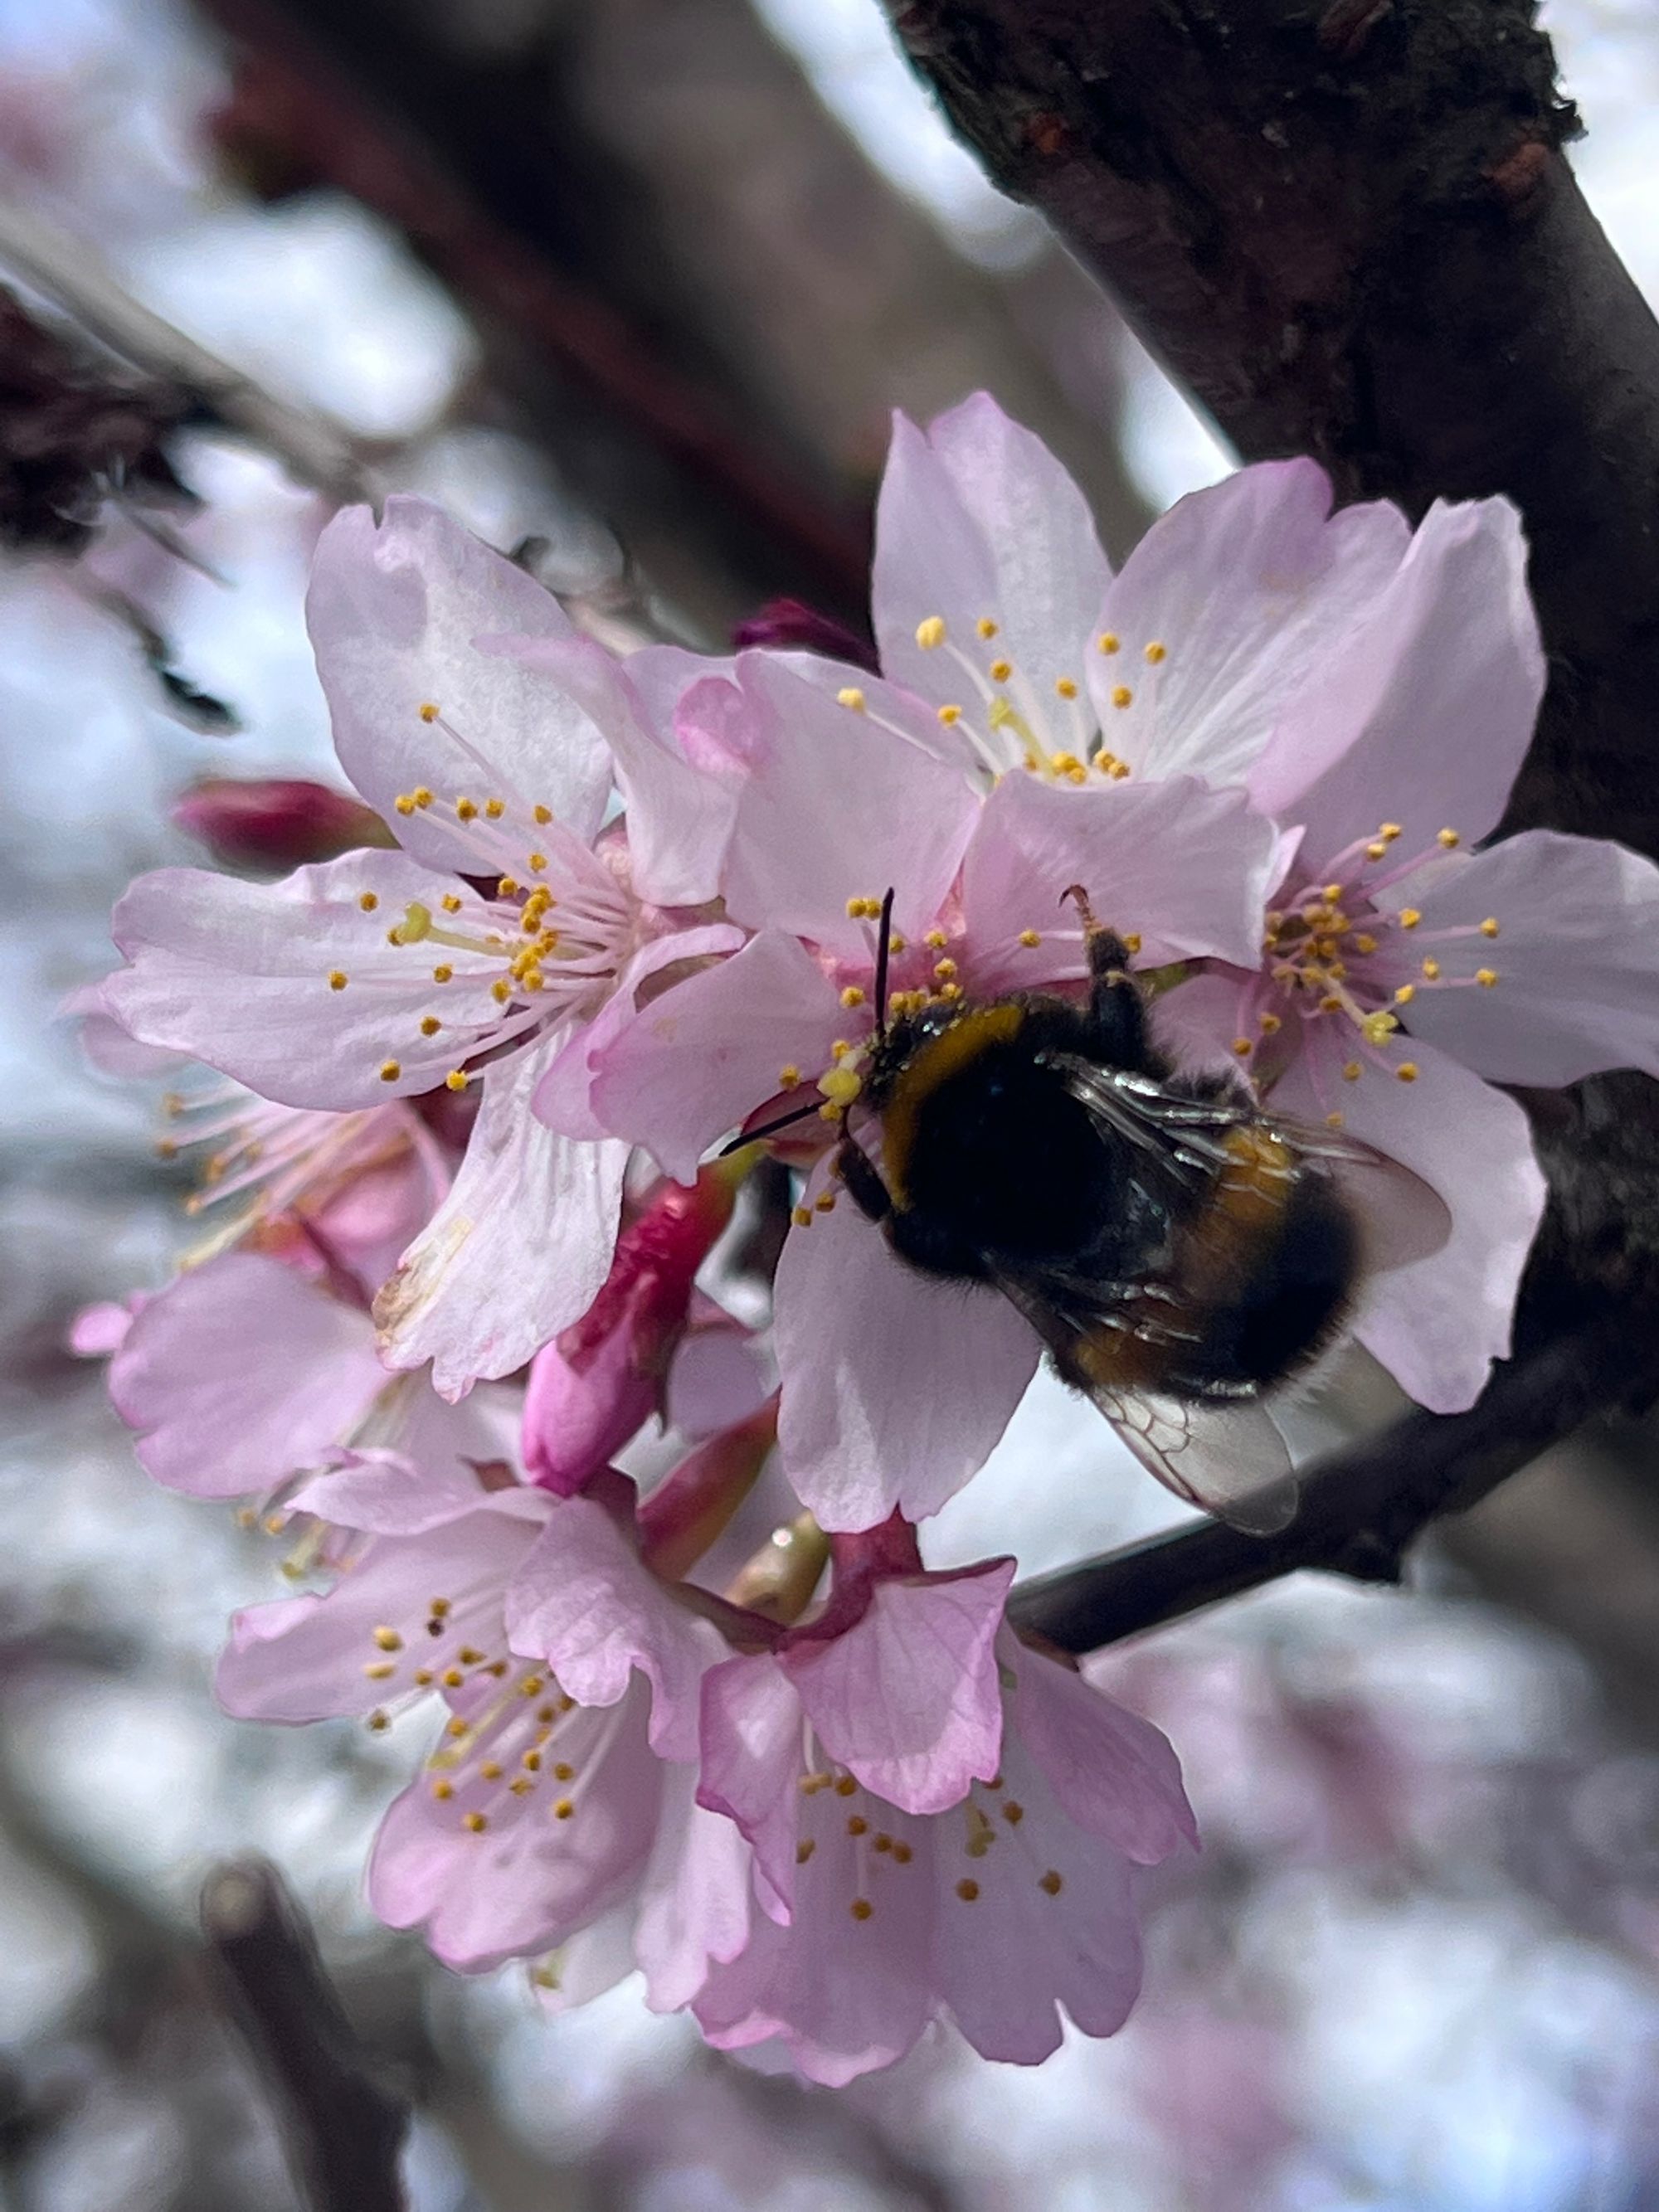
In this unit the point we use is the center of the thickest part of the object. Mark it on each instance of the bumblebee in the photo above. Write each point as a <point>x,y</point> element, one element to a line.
<point>1180,1251</point>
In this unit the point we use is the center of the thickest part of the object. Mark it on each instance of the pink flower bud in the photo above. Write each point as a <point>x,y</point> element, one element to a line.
<point>785,625</point>
<point>603,1377</point>
<point>276,823</point>
<point>690,1508</point>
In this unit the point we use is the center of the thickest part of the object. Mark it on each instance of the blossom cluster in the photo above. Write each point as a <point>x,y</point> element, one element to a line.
<point>469,1160</point>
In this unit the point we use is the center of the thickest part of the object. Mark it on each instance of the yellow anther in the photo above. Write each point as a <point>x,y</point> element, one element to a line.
<point>390,1071</point>
<point>852,995</point>
<point>824,1202</point>
<point>404,802</point>
<point>564,1771</point>
<point>1001,671</point>
<point>1405,994</point>
<point>443,1791</point>
<point>475,1823</point>
<point>1122,696</point>
<point>421,795</point>
<point>950,714</point>
<point>450,903</point>
<point>1431,970</point>
<point>844,1786</point>
<point>388,1639</point>
<point>943,970</point>
<point>936,940</point>
<point>456,1080</point>
<point>1352,1071</point>
<point>931,632</point>
<point>1409,917</point>
<point>967,1889</point>
<point>544,814</point>
<point>380,1670</point>
<point>1330,1004</point>
<point>337,979</point>
<point>430,1025</point>
<point>1449,838</point>
<point>804,1850</point>
<point>1119,769</point>
<point>507,887</point>
<point>858,1826</point>
<point>1365,944</point>
<point>1107,641</point>
<point>1333,892</point>
<point>1051,1883</point>
<point>840,1085</point>
<point>494,808</point>
<point>839,1049</point>
<point>801,1216</point>
<point>466,809</point>
<point>538,863</point>
<point>950,991</point>
<point>1485,977</point>
<point>789,1076</point>
<point>443,973</point>
<point>860,1908</point>
<point>1244,1047</point>
<point>850,697</point>
<point>563,1810</point>
<point>500,992</point>
<point>368,900</point>
<point>1029,939</point>
<point>1131,941</point>
<point>1489,926</point>
<point>490,1770</point>
<point>1333,1120</point>
<point>986,626</point>
<point>1387,831</point>
<point>1379,1027</point>
<point>1269,1025</point>
<point>1157,652</point>
<point>379,1721</point>
<point>1065,687</point>
<point>1375,850</point>
<point>1407,1071</point>
<point>896,943</point>
<point>430,711</point>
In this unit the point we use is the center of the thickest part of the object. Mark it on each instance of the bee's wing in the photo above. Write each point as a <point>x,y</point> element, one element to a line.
<point>1187,1136</point>
<point>1228,1457</point>
<point>1399,1216</point>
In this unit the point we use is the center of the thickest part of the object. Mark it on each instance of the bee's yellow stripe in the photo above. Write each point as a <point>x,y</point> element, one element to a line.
<point>927,1071</point>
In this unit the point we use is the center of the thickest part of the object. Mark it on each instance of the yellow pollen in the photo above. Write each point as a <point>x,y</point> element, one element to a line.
<point>500,992</point>
<point>1119,769</point>
<point>943,970</point>
<point>490,1770</point>
<point>544,814</point>
<point>935,940</point>
<point>839,1050</point>
<point>430,1025</point>
<point>1333,1120</point>
<point>1065,687</point>
<point>931,633</point>
<point>1405,994</point>
<point>1485,977</point>
<point>1407,1071</point>
<point>564,1771</point>
<point>967,1889</point>
<point>1375,850</point>
<point>563,1810</point>
<point>789,1076</point>
<point>494,808</point>
<point>1244,1047</point>
<point>452,1678</point>
<point>430,710</point>
<point>852,996</point>
<point>1051,1883</point>
<point>824,1202</point>
<point>1431,970</point>
<point>1387,831</point>
<point>1107,641</point>
<point>896,942</point>
<point>840,1085</point>
<point>442,1789</point>
<point>986,626</point>
<point>1001,671</point>
<point>950,714</point>
<point>1029,939</point>
<point>456,1080</point>
<point>1270,1024</point>
<point>509,887</point>
<point>1351,1072</point>
<point>1330,1004</point>
<point>801,1216</point>
<point>421,795</point>
<point>474,1822</point>
<point>1489,926</point>
<point>368,900</point>
<point>1333,892</point>
<point>390,1071</point>
<point>858,1826</point>
<point>388,1639</point>
<point>442,972</point>
<point>1365,944</point>
<point>1379,1027</point>
<point>1449,838</point>
<point>1122,695</point>
<point>1131,941</point>
<point>466,809</point>
<point>950,991</point>
<point>450,903</point>
<point>860,1908</point>
<point>1157,652</point>
<point>379,1670</point>
<point>404,802</point>
<point>337,979</point>
<point>804,1850</point>
<point>538,863</point>
<point>1409,917</point>
<point>850,697</point>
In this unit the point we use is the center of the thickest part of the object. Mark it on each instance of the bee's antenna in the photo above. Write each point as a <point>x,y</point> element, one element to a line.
<point>768,1129</point>
<point>884,945</point>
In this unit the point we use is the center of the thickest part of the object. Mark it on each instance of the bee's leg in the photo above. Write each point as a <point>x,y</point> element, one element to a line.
<point>860,1174</point>
<point>1117,1011</point>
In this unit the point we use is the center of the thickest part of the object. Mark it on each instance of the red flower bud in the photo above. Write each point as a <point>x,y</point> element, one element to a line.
<point>788,625</point>
<point>276,823</point>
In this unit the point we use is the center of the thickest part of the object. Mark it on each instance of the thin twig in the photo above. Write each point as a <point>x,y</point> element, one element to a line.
<point>345,2128</point>
<point>73,274</point>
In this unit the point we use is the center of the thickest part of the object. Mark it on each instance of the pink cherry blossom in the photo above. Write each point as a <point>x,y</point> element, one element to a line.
<point>943,1822</point>
<point>468,958</point>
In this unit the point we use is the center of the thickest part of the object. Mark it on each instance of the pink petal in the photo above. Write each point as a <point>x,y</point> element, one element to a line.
<point>1113,1773</point>
<point>240,1373</point>
<point>705,1054</point>
<point>1184,867</point>
<point>518,1249</point>
<point>895,1388</point>
<point>1576,958</point>
<point>393,610</point>
<point>833,809</point>
<point>526,1881</point>
<point>908,1699</point>
<point>583,1603</point>
<point>1425,716</point>
<point>752,1763</point>
<point>977,520</point>
<point>392,1494</point>
<point>695,1902</point>
<point>562,1097</point>
<point>1249,586</point>
<point>1438,1324</point>
<point>237,975</point>
<point>679,817</point>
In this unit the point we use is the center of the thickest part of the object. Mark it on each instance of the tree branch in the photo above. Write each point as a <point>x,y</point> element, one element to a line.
<point>345,2128</point>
